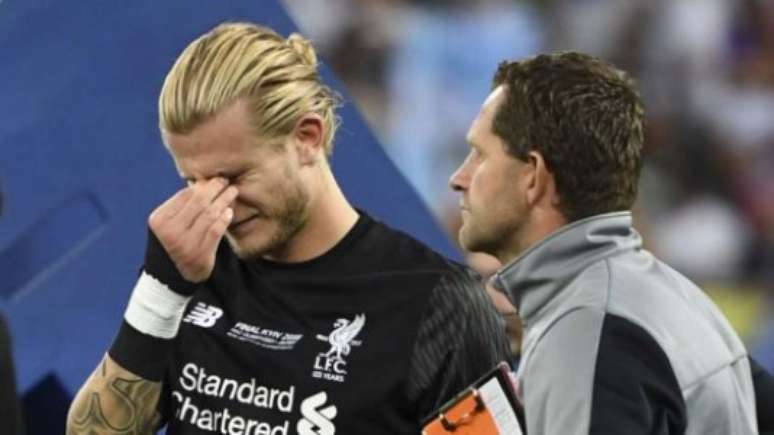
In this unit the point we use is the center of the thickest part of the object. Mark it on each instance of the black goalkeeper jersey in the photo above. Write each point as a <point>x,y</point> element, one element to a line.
<point>368,338</point>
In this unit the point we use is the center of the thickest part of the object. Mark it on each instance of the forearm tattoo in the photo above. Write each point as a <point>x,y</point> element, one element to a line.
<point>114,401</point>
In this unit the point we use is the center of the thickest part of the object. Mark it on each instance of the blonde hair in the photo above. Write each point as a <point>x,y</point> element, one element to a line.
<point>278,78</point>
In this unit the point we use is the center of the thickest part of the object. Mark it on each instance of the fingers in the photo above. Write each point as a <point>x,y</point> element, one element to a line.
<point>216,230</point>
<point>170,207</point>
<point>201,197</point>
<point>213,214</point>
<point>192,222</point>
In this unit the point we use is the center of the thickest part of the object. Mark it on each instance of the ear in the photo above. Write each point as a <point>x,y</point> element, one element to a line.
<point>540,181</point>
<point>308,138</point>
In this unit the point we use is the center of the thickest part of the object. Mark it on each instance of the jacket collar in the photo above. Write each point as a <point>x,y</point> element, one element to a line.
<point>540,274</point>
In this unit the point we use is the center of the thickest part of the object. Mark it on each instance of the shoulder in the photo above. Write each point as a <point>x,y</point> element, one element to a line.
<point>460,310</point>
<point>457,300</point>
<point>463,289</point>
<point>399,251</point>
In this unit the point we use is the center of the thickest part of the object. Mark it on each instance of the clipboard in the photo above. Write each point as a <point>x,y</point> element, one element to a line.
<point>488,407</point>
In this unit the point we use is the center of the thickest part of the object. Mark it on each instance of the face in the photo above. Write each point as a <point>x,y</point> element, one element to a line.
<point>272,203</point>
<point>492,203</point>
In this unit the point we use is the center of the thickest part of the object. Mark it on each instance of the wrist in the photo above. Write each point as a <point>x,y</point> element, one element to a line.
<point>151,322</point>
<point>159,265</point>
<point>154,308</point>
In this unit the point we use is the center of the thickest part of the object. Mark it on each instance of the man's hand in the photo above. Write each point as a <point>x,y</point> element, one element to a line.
<point>191,223</point>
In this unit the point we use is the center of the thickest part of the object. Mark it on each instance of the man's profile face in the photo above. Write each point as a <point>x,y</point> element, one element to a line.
<point>272,203</point>
<point>492,206</point>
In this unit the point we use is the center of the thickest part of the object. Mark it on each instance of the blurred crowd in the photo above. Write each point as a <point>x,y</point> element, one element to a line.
<point>419,70</point>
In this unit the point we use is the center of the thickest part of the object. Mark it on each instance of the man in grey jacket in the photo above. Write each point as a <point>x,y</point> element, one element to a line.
<point>615,341</point>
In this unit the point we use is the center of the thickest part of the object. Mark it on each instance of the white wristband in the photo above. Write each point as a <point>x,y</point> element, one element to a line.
<point>155,309</point>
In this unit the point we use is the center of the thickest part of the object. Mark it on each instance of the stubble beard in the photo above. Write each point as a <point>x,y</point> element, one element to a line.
<point>488,238</point>
<point>289,218</point>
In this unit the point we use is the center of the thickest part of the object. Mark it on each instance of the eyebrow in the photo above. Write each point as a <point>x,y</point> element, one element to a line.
<point>227,175</point>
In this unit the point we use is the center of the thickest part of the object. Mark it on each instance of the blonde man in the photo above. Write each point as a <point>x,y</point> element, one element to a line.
<point>267,303</point>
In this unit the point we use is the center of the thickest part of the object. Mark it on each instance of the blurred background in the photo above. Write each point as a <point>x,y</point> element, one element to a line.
<point>420,69</point>
<point>81,164</point>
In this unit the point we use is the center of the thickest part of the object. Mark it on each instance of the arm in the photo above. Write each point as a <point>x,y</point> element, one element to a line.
<point>635,389</point>
<point>122,394</point>
<point>461,337</point>
<point>115,401</point>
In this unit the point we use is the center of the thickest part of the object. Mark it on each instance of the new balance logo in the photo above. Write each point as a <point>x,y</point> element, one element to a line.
<point>316,421</point>
<point>203,315</point>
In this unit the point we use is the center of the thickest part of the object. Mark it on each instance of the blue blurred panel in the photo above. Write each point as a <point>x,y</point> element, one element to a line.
<point>82,165</point>
<point>57,237</point>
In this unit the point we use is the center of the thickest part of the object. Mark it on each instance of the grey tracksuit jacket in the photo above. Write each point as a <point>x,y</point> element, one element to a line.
<point>617,342</point>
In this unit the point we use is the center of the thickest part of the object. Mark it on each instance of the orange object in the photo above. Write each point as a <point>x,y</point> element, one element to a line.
<point>469,416</point>
<point>488,407</point>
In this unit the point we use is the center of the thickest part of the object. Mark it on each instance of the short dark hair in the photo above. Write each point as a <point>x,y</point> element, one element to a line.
<point>585,118</point>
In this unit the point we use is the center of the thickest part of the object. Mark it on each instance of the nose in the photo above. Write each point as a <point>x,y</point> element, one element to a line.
<point>458,181</point>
